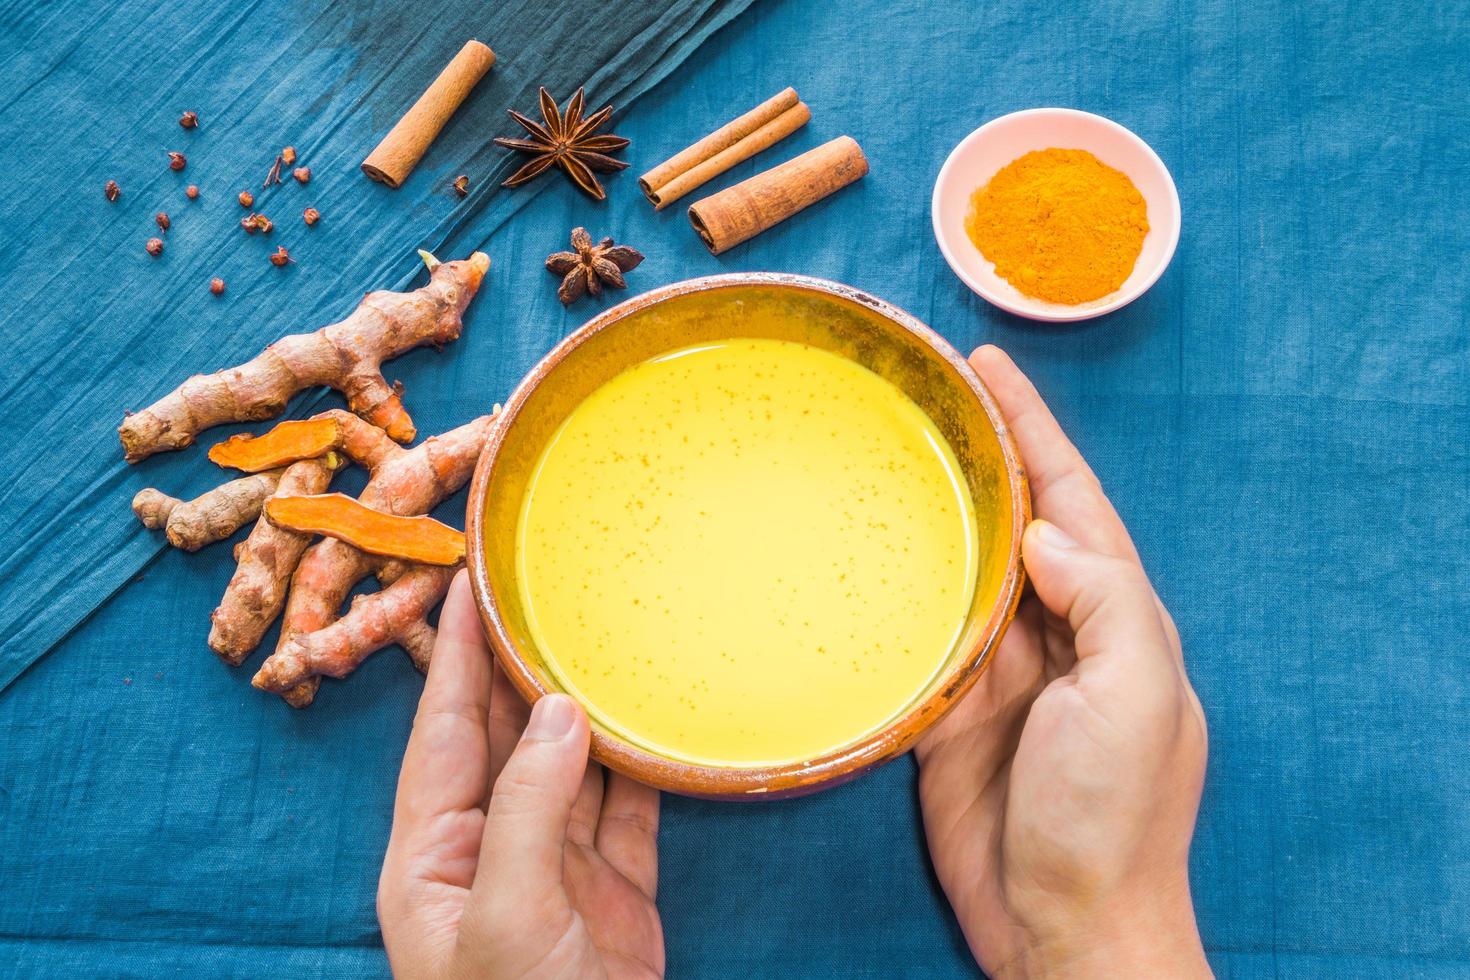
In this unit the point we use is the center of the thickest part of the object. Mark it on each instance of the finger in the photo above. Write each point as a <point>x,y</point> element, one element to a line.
<point>582,827</point>
<point>627,832</point>
<point>445,771</point>
<point>1170,628</point>
<point>985,724</point>
<point>526,825</point>
<point>1063,486</point>
<point>446,765</point>
<point>1106,600</point>
<point>508,716</point>
<point>1059,642</point>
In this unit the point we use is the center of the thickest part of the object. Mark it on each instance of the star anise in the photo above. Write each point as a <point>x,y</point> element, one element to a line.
<point>591,267</point>
<point>567,141</point>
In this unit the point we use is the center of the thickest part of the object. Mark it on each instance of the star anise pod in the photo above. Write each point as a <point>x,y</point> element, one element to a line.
<point>591,267</point>
<point>566,140</point>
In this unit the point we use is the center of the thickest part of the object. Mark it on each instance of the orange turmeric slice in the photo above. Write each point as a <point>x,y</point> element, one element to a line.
<point>416,539</point>
<point>288,442</point>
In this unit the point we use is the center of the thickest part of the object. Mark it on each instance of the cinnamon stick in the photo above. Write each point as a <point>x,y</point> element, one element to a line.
<point>762,127</point>
<point>739,213</point>
<point>405,144</point>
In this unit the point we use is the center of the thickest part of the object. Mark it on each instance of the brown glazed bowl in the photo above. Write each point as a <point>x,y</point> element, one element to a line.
<point>822,314</point>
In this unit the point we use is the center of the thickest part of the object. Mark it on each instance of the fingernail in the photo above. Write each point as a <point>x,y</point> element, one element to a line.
<point>1053,536</point>
<point>551,718</point>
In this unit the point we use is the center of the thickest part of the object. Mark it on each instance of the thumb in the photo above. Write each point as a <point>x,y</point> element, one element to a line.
<point>526,823</point>
<point>1108,601</point>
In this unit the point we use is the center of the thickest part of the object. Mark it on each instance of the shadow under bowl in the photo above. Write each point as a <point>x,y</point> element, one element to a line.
<point>822,314</point>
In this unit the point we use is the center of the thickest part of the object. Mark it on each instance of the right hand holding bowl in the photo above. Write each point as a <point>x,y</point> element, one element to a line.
<point>1059,797</point>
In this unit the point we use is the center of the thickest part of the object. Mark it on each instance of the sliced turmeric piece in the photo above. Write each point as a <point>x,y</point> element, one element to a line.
<point>419,539</point>
<point>288,442</point>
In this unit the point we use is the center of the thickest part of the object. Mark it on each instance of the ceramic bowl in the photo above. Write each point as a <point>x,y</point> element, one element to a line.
<point>837,318</point>
<point>981,154</point>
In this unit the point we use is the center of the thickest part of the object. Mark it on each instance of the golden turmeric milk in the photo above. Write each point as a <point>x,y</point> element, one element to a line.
<point>1059,225</point>
<point>746,553</point>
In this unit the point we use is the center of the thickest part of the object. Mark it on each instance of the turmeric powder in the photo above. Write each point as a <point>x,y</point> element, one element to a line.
<point>1059,225</point>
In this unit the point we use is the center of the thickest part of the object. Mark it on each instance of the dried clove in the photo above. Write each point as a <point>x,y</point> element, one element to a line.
<point>280,257</point>
<point>288,155</point>
<point>216,285</point>
<point>162,219</point>
<point>247,199</point>
<point>192,191</point>
<point>110,190</point>
<point>302,174</point>
<point>311,216</point>
<point>154,247</point>
<point>189,120</point>
<point>176,161</point>
<point>256,222</point>
<point>462,185</point>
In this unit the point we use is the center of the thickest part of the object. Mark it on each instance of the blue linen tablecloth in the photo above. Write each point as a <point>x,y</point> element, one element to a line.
<point>1283,421</point>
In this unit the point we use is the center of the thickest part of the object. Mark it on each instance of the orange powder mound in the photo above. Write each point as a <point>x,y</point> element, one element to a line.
<point>1059,225</point>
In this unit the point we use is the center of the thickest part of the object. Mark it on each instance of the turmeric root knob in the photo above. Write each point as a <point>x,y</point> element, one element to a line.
<point>210,517</point>
<point>346,355</point>
<point>418,539</point>
<point>394,615</point>
<point>152,507</point>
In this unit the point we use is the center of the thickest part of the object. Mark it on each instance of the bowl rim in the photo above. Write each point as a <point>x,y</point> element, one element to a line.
<point>788,779</point>
<point>1042,311</point>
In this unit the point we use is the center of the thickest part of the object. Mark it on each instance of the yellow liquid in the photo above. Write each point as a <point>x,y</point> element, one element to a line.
<point>746,553</point>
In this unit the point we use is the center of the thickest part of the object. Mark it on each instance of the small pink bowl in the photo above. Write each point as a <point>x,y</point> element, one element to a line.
<point>981,154</point>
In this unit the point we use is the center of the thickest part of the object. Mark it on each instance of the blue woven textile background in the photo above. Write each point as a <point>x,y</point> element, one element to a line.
<point>1283,421</point>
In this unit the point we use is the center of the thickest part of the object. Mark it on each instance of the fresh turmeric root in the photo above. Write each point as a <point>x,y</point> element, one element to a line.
<point>418,539</point>
<point>407,482</point>
<point>266,558</point>
<point>210,517</point>
<point>346,355</point>
<point>290,441</point>
<point>394,615</point>
<point>418,642</point>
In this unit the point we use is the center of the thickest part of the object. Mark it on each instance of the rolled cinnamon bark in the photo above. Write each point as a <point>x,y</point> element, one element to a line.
<point>762,127</point>
<point>739,213</point>
<point>405,144</point>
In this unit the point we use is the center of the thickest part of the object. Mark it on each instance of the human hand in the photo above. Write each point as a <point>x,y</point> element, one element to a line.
<point>510,855</point>
<point>1060,795</point>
